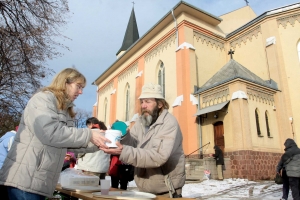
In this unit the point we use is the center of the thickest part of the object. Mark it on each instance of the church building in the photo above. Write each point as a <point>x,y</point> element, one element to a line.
<point>231,81</point>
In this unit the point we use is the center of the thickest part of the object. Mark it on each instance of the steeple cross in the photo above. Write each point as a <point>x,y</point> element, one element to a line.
<point>230,52</point>
<point>133,4</point>
<point>246,2</point>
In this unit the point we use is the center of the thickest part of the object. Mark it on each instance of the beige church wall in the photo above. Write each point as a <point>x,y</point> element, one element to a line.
<point>200,23</point>
<point>264,142</point>
<point>269,29</point>
<point>251,54</point>
<point>209,59</point>
<point>104,97</point>
<point>159,42</point>
<point>229,139</point>
<point>235,19</point>
<point>127,78</point>
<point>208,133</point>
<point>239,118</point>
<point>289,37</point>
<point>168,57</point>
<point>277,65</point>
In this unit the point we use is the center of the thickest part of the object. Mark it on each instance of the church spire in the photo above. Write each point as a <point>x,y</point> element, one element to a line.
<point>131,34</point>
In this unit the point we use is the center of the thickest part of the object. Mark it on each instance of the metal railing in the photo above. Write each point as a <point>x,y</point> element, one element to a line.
<point>187,156</point>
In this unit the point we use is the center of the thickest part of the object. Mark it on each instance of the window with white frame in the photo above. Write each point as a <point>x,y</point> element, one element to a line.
<point>127,102</point>
<point>105,110</point>
<point>257,122</point>
<point>161,77</point>
<point>298,48</point>
<point>267,123</point>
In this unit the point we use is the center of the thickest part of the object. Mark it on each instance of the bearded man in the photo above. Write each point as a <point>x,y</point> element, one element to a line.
<point>154,146</point>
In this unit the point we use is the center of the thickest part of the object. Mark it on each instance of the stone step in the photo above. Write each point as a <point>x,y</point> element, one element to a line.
<point>193,178</point>
<point>192,181</point>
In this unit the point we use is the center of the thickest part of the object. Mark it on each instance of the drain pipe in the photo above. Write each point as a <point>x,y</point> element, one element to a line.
<point>177,39</point>
<point>200,128</point>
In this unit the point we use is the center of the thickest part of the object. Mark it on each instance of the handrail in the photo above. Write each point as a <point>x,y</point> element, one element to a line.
<point>198,149</point>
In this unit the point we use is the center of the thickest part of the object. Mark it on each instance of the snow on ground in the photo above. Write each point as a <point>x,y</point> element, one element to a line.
<point>229,189</point>
<point>211,187</point>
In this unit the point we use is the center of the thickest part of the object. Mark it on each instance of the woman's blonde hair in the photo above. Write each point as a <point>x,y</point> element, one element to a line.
<point>58,87</point>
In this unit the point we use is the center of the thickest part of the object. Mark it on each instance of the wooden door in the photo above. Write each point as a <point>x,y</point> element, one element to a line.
<point>219,135</point>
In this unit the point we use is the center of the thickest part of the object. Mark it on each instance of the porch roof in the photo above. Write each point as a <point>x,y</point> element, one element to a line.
<point>211,108</point>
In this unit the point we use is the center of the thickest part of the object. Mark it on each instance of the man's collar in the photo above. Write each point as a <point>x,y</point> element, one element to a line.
<point>161,117</point>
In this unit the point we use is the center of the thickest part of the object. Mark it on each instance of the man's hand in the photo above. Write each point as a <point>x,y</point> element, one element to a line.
<point>99,139</point>
<point>113,151</point>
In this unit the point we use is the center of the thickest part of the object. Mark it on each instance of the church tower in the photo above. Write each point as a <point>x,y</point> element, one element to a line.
<point>131,35</point>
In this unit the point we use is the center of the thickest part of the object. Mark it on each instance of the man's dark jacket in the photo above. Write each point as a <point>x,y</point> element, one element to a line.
<point>291,149</point>
<point>218,156</point>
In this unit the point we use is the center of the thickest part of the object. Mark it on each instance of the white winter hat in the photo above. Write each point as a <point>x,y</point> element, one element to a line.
<point>151,90</point>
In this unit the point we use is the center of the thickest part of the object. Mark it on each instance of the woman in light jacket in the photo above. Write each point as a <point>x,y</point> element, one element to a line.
<point>94,163</point>
<point>33,164</point>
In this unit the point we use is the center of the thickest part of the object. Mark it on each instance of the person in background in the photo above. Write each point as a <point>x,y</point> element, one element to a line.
<point>70,161</point>
<point>291,153</point>
<point>218,155</point>
<point>94,163</point>
<point>5,144</point>
<point>120,173</point>
<point>285,185</point>
<point>46,132</point>
<point>154,146</point>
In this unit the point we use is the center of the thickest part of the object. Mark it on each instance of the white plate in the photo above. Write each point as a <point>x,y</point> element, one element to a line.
<point>126,195</point>
<point>83,188</point>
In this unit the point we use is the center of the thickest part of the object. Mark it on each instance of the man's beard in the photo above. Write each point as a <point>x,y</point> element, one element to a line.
<point>148,120</point>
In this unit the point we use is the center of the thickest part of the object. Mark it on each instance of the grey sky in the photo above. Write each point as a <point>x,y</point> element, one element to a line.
<point>97,28</point>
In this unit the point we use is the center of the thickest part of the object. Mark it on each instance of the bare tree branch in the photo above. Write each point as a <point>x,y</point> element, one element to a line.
<point>81,117</point>
<point>28,29</point>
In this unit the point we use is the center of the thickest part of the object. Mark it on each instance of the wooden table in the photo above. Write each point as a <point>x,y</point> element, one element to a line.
<point>89,195</point>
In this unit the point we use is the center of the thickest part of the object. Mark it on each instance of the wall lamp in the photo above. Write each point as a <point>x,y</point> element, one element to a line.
<point>216,115</point>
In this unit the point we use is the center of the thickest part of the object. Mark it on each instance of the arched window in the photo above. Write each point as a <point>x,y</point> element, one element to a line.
<point>257,122</point>
<point>127,102</point>
<point>105,110</point>
<point>161,77</point>
<point>298,48</point>
<point>267,124</point>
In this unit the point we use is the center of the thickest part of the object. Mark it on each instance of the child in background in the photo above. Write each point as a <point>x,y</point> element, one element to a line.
<point>5,144</point>
<point>121,173</point>
<point>70,161</point>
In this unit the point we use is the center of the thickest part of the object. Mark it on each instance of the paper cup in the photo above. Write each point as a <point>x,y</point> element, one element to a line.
<point>105,186</point>
<point>113,136</point>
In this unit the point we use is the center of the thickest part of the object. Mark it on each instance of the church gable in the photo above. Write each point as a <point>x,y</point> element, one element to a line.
<point>234,70</point>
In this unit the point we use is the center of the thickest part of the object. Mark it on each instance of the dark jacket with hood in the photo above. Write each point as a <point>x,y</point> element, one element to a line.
<point>218,156</point>
<point>291,149</point>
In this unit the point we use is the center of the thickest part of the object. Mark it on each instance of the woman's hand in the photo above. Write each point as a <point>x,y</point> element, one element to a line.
<point>113,151</point>
<point>99,139</point>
